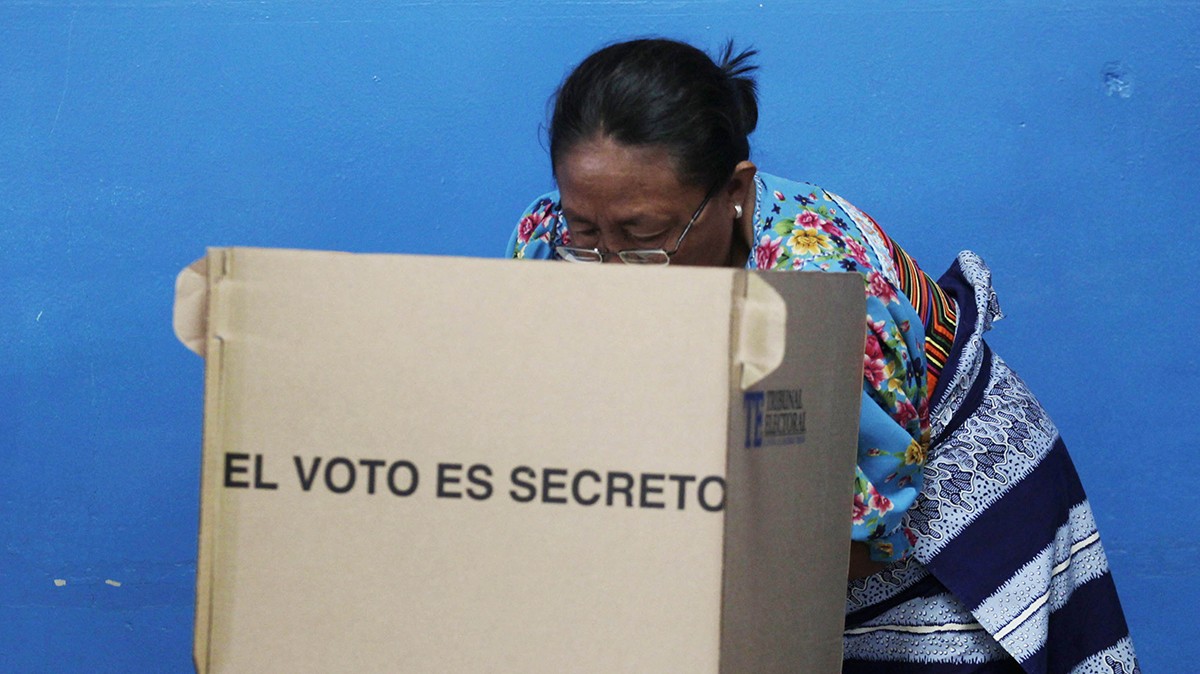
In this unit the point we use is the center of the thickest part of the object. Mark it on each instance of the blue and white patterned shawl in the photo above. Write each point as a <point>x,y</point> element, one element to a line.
<point>1008,573</point>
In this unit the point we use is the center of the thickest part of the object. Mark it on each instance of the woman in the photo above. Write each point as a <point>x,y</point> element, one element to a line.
<point>973,545</point>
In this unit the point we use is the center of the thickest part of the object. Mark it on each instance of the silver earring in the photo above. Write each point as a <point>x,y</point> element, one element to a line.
<point>737,211</point>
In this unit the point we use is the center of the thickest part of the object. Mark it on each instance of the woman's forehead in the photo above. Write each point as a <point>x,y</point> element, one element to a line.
<point>604,173</point>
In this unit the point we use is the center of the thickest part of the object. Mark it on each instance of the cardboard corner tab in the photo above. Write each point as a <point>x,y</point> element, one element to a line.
<point>761,337</point>
<point>191,305</point>
<point>434,464</point>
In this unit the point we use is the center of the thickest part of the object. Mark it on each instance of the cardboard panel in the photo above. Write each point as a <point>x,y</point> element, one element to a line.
<point>439,464</point>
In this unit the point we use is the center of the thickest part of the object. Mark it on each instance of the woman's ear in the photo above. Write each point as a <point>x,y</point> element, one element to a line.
<point>741,184</point>
<point>740,190</point>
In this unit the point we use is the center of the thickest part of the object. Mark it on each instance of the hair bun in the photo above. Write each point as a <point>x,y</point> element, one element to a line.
<point>737,70</point>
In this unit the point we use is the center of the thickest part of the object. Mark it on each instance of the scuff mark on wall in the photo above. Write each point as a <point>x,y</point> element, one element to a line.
<point>1117,79</point>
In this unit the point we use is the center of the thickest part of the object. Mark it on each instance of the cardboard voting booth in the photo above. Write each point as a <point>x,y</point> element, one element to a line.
<point>426,464</point>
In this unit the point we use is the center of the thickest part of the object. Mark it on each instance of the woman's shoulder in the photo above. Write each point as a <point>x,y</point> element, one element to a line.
<point>801,212</point>
<point>799,225</point>
<point>802,195</point>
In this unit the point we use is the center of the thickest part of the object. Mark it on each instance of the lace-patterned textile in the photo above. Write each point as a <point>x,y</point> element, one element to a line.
<point>1008,572</point>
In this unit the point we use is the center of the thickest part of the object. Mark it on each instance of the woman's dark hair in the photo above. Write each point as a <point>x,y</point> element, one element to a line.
<point>662,92</point>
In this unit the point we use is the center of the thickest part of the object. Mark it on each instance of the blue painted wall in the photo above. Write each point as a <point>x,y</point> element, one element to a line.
<point>1059,139</point>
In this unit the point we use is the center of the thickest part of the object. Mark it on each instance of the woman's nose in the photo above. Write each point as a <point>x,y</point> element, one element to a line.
<point>602,244</point>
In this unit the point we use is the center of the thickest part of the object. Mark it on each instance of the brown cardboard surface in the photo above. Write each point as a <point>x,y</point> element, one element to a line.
<point>785,523</point>
<point>519,377</point>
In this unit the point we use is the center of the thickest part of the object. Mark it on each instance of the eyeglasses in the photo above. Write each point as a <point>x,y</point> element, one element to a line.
<point>648,256</point>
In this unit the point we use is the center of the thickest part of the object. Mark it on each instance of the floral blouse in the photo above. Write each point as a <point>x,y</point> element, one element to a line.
<point>798,226</point>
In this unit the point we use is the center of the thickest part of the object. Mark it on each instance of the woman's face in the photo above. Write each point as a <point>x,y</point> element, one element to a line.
<point>620,197</point>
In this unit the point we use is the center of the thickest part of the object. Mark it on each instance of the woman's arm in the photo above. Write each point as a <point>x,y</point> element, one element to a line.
<point>861,565</point>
